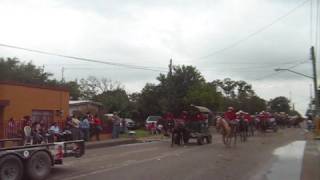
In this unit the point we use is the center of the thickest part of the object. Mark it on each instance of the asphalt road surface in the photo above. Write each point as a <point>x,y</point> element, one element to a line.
<point>158,161</point>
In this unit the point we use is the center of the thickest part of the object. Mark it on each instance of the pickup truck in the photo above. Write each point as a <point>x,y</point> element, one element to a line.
<point>35,161</point>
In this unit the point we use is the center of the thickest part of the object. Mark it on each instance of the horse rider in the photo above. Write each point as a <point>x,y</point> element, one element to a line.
<point>264,118</point>
<point>230,115</point>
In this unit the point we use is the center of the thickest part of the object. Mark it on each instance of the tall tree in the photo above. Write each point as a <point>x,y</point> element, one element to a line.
<point>227,85</point>
<point>173,88</point>
<point>280,104</point>
<point>74,89</point>
<point>93,86</point>
<point>114,101</point>
<point>205,95</point>
<point>11,69</point>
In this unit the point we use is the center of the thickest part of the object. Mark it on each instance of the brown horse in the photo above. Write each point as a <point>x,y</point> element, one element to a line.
<point>225,130</point>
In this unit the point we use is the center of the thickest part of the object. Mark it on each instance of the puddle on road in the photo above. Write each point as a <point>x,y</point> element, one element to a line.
<point>288,163</point>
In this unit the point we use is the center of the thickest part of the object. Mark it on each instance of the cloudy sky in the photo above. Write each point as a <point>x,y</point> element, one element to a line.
<point>240,39</point>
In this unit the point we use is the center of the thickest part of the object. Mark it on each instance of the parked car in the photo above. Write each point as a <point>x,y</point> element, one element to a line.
<point>131,125</point>
<point>152,119</point>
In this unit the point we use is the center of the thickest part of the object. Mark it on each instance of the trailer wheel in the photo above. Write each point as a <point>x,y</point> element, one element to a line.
<point>209,139</point>
<point>39,166</point>
<point>11,168</point>
<point>200,140</point>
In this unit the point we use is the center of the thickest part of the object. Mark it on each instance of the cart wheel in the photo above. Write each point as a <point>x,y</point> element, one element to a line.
<point>200,140</point>
<point>275,129</point>
<point>186,140</point>
<point>39,166</point>
<point>11,168</point>
<point>209,139</point>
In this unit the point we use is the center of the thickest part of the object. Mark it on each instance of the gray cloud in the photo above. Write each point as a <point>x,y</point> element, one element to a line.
<point>149,33</point>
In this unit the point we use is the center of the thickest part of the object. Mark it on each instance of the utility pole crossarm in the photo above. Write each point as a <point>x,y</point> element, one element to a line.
<point>300,74</point>
<point>280,69</point>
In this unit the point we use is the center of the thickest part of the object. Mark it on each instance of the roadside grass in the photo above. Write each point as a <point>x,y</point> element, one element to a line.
<point>140,133</point>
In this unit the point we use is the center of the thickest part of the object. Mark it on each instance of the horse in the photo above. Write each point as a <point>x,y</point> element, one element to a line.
<point>243,129</point>
<point>296,121</point>
<point>178,133</point>
<point>227,132</point>
<point>251,127</point>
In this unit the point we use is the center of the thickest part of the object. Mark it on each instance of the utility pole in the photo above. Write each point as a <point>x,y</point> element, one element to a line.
<point>170,85</point>
<point>170,68</point>
<point>62,74</point>
<point>315,81</point>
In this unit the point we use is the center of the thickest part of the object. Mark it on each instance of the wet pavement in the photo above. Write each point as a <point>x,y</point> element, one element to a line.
<point>265,154</point>
<point>288,163</point>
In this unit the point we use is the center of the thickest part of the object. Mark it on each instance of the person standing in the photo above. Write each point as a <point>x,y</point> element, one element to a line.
<point>92,130</point>
<point>98,125</point>
<point>85,128</point>
<point>115,126</point>
<point>75,128</point>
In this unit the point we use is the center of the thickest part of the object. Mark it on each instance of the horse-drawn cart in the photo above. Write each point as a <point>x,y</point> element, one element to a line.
<point>193,124</point>
<point>198,130</point>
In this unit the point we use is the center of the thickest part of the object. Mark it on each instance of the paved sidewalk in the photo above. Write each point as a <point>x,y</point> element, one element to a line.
<point>311,160</point>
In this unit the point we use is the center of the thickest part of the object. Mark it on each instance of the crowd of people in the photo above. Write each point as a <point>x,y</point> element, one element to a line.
<point>264,117</point>
<point>83,127</point>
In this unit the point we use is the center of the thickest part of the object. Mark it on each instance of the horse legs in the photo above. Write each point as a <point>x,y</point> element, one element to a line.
<point>234,135</point>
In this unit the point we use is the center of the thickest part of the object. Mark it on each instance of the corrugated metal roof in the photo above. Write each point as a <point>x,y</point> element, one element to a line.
<point>202,109</point>
<point>79,102</point>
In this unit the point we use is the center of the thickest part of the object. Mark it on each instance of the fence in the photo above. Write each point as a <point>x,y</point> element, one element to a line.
<point>16,131</point>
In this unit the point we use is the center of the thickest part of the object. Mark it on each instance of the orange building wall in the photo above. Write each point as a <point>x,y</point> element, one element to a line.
<point>24,99</point>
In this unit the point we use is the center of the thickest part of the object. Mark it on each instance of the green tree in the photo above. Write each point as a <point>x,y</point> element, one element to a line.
<point>205,95</point>
<point>74,89</point>
<point>148,102</point>
<point>280,104</point>
<point>173,88</point>
<point>11,69</point>
<point>228,86</point>
<point>114,101</point>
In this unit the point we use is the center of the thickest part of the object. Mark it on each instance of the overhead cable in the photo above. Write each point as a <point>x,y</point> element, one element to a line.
<point>82,59</point>
<point>253,33</point>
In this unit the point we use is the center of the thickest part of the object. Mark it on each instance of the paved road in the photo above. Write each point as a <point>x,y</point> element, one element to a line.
<point>158,161</point>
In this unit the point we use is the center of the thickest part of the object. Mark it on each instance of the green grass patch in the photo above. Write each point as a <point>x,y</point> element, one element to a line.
<point>140,133</point>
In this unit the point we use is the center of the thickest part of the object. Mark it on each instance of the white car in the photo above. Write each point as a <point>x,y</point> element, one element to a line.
<point>152,119</point>
<point>130,123</point>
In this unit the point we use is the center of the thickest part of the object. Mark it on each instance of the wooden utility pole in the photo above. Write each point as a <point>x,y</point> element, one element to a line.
<point>62,74</point>
<point>315,81</point>
<point>170,68</point>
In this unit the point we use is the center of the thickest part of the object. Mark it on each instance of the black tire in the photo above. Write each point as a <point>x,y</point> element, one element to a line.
<point>200,140</point>
<point>11,168</point>
<point>209,139</point>
<point>186,138</point>
<point>39,166</point>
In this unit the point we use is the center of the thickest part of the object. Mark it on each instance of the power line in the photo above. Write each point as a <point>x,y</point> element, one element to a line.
<point>83,59</point>
<point>254,33</point>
